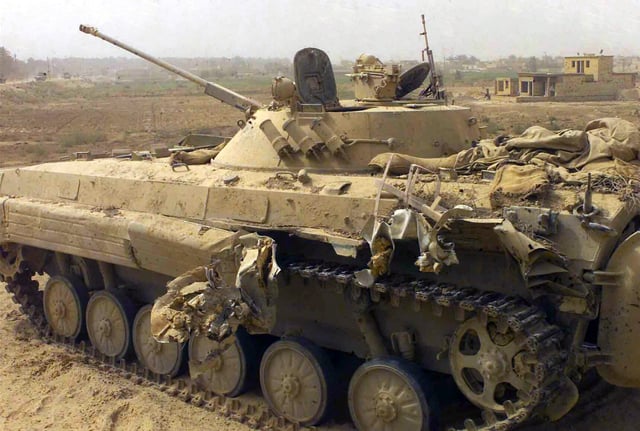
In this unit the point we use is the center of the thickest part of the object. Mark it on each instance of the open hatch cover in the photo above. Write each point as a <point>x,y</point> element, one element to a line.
<point>314,78</point>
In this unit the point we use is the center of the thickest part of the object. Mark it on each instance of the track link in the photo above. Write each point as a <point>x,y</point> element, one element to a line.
<point>24,291</point>
<point>543,342</point>
<point>543,339</point>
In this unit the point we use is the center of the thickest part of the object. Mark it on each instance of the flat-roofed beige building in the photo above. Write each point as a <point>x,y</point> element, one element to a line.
<point>584,77</point>
<point>506,87</point>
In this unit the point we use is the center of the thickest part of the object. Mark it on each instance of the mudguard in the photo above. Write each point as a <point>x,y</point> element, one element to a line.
<point>619,329</point>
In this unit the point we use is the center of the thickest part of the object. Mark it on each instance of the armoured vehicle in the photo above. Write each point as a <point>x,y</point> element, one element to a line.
<point>40,77</point>
<point>367,253</point>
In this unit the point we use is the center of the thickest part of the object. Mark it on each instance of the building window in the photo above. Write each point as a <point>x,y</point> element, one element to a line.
<point>588,63</point>
<point>506,84</point>
<point>524,87</point>
<point>500,85</point>
<point>573,63</point>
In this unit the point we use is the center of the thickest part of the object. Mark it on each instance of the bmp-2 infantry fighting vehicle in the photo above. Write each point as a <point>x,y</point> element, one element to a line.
<point>381,232</point>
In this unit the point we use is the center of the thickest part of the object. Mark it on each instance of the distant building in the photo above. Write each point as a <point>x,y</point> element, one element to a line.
<point>584,77</point>
<point>506,87</point>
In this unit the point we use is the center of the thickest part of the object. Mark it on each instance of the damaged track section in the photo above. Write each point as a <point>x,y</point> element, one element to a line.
<point>25,292</point>
<point>544,368</point>
<point>542,341</point>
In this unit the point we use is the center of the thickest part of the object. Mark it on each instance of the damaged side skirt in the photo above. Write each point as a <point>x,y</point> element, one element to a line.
<point>200,302</point>
<point>408,223</point>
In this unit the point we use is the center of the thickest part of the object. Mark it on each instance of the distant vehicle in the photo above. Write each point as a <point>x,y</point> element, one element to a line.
<point>66,75</point>
<point>41,76</point>
<point>3,79</point>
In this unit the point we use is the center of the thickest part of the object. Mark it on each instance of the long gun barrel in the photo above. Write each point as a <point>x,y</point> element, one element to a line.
<point>214,90</point>
<point>433,86</point>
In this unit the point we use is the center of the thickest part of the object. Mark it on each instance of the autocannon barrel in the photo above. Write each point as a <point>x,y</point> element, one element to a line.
<point>214,90</point>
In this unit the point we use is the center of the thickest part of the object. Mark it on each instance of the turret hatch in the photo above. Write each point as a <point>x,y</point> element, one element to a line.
<point>315,81</point>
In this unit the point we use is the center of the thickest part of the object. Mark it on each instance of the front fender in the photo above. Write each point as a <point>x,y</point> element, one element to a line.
<point>619,328</point>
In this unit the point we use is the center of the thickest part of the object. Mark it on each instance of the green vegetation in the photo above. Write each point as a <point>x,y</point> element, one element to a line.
<point>555,123</point>
<point>493,128</point>
<point>82,137</point>
<point>247,84</point>
<point>345,87</point>
<point>518,129</point>
<point>35,150</point>
<point>484,78</point>
<point>137,89</point>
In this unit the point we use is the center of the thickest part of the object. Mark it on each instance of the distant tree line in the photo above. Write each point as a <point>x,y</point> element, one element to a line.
<point>513,63</point>
<point>12,68</point>
<point>454,68</point>
<point>210,68</point>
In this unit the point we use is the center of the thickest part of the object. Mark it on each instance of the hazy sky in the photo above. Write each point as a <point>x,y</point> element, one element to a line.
<point>344,28</point>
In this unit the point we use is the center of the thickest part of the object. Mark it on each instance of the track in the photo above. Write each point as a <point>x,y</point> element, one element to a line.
<point>542,339</point>
<point>256,415</point>
<point>253,412</point>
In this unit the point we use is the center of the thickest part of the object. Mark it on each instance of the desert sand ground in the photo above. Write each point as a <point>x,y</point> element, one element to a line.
<point>46,387</point>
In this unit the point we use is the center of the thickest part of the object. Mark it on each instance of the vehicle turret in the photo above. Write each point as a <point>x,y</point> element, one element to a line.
<point>307,126</point>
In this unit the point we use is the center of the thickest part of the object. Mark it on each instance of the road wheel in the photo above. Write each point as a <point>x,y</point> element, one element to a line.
<point>390,394</point>
<point>159,358</point>
<point>109,319</point>
<point>65,302</point>
<point>231,372</point>
<point>297,380</point>
<point>491,363</point>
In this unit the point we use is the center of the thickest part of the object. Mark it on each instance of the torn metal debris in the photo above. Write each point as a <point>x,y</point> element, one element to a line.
<point>199,301</point>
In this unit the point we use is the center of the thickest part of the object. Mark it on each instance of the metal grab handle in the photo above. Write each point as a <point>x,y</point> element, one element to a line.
<point>176,165</point>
